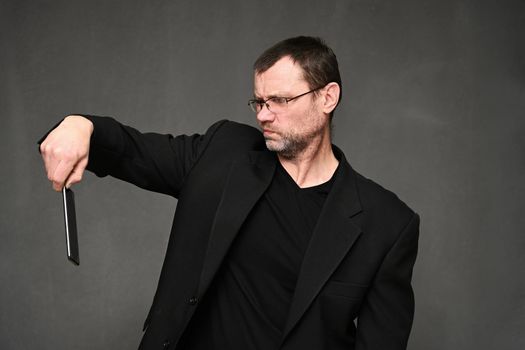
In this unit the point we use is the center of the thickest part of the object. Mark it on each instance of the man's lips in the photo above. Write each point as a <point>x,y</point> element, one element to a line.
<point>268,132</point>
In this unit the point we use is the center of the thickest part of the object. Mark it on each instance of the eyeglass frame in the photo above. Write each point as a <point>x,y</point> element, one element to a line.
<point>261,102</point>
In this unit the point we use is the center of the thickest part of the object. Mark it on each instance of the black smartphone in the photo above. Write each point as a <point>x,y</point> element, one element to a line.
<point>70,221</point>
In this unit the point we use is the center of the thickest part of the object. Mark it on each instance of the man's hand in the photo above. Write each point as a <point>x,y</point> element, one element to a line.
<point>65,151</point>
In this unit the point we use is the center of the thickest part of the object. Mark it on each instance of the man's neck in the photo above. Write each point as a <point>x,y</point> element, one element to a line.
<point>314,165</point>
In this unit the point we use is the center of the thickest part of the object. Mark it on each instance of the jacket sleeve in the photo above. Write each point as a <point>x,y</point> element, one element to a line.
<point>155,162</point>
<point>385,318</point>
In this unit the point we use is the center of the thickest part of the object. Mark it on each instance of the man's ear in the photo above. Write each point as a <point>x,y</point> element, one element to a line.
<point>331,94</point>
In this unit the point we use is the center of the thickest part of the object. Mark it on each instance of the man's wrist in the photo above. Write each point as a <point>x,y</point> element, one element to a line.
<point>80,120</point>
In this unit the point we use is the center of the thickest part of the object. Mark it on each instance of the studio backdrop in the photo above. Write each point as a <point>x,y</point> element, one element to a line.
<point>448,76</point>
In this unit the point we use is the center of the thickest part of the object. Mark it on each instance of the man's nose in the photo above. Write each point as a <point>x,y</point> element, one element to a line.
<point>265,114</point>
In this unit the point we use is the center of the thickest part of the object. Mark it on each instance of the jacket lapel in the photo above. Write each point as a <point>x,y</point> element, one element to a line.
<point>332,238</point>
<point>247,181</point>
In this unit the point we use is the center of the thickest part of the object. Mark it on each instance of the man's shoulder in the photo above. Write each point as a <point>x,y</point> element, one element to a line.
<point>227,133</point>
<point>380,202</point>
<point>384,215</point>
<point>374,193</point>
<point>234,127</point>
<point>371,195</point>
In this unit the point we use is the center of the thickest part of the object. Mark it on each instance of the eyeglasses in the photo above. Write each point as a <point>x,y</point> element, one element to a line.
<point>274,104</point>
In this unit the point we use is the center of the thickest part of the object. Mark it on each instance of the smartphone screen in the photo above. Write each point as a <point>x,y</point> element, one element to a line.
<point>71,226</point>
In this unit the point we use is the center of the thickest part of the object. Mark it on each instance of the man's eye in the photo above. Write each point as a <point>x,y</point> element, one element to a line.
<point>279,100</point>
<point>258,103</point>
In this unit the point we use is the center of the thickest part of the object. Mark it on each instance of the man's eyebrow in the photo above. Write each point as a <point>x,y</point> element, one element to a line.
<point>267,98</point>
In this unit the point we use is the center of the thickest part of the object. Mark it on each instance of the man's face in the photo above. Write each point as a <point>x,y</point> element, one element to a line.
<point>297,126</point>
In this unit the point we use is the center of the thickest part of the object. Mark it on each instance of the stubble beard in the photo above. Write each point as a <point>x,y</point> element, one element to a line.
<point>290,145</point>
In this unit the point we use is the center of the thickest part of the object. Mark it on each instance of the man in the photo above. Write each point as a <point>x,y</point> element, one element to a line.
<point>277,243</point>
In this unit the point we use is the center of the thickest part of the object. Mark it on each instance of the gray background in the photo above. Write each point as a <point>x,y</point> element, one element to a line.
<point>433,110</point>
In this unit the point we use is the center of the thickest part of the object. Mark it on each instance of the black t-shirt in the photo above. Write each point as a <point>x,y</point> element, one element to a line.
<point>247,304</point>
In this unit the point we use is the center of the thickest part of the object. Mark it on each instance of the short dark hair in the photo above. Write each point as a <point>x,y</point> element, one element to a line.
<point>317,60</point>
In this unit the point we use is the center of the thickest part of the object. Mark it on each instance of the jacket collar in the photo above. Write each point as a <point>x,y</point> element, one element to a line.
<point>247,180</point>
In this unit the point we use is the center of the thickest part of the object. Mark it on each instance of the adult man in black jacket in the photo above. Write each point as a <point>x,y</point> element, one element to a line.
<point>277,243</point>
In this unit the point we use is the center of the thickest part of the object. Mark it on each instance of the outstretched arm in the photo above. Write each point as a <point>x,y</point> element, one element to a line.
<point>156,162</point>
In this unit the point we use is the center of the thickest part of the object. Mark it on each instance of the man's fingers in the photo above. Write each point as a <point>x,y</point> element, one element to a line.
<point>61,173</point>
<point>51,165</point>
<point>77,173</point>
<point>57,186</point>
<point>52,158</point>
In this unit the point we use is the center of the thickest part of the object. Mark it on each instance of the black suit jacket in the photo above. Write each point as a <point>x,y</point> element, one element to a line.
<point>354,287</point>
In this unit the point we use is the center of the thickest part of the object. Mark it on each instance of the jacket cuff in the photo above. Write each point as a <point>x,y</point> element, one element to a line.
<point>97,134</point>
